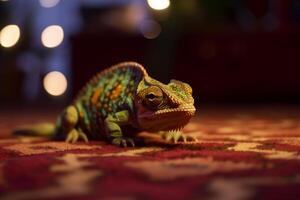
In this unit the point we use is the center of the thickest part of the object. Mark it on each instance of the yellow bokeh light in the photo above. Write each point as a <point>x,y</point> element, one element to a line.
<point>49,3</point>
<point>52,36</point>
<point>159,4</point>
<point>9,35</point>
<point>55,83</point>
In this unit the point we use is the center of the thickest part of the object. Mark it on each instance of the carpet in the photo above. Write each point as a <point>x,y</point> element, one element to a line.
<point>243,153</point>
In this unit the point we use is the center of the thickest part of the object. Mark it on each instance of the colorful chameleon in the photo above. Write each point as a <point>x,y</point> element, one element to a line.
<point>121,95</point>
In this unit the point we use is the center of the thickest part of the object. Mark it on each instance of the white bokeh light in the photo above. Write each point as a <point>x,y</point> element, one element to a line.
<point>49,3</point>
<point>52,36</point>
<point>55,83</point>
<point>9,35</point>
<point>159,4</point>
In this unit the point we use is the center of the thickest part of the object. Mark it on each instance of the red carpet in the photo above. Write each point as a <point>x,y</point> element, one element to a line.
<point>241,154</point>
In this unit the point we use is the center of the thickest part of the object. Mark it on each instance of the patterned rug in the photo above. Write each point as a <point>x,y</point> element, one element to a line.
<point>240,154</point>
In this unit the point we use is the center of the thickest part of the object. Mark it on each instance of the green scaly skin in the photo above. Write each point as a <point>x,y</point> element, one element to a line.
<point>125,94</point>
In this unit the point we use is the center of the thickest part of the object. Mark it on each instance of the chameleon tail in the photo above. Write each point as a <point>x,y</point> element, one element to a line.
<point>42,129</point>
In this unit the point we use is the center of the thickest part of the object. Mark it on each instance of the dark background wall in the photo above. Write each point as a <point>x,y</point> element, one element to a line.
<point>229,51</point>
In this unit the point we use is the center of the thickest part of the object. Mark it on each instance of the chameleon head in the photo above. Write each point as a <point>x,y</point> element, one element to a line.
<point>163,107</point>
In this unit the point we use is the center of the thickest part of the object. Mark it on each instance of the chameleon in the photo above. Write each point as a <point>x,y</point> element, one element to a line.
<point>125,95</point>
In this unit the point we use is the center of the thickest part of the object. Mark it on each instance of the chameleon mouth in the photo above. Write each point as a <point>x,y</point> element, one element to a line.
<point>188,110</point>
<point>170,119</point>
<point>185,110</point>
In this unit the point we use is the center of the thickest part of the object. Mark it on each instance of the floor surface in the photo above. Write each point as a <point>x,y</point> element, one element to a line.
<point>241,153</point>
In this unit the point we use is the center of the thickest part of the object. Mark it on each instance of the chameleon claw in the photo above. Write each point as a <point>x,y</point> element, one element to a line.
<point>177,136</point>
<point>74,135</point>
<point>116,141</point>
<point>70,136</point>
<point>169,137</point>
<point>68,139</point>
<point>183,138</point>
<point>191,139</point>
<point>188,138</point>
<point>123,142</point>
<point>83,136</point>
<point>131,142</point>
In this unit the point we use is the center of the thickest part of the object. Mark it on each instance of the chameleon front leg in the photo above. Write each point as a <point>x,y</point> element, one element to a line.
<point>76,134</point>
<point>69,121</point>
<point>113,129</point>
<point>176,136</point>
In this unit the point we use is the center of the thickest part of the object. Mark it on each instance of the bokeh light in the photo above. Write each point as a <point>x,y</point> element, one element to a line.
<point>52,36</point>
<point>49,3</point>
<point>9,35</point>
<point>159,4</point>
<point>150,29</point>
<point>55,83</point>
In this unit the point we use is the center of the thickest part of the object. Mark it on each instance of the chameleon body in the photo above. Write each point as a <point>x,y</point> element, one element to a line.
<point>125,94</point>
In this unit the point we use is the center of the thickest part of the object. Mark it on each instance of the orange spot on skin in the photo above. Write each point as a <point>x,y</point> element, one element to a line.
<point>96,95</point>
<point>116,92</point>
<point>81,114</point>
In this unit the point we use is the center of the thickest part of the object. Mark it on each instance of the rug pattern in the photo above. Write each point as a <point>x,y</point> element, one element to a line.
<point>238,157</point>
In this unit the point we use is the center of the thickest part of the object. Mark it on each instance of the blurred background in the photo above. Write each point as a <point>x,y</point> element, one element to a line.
<point>233,51</point>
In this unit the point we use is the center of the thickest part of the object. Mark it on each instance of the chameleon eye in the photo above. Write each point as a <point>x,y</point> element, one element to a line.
<point>153,103</point>
<point>154,98</point>
<point>150,96</point>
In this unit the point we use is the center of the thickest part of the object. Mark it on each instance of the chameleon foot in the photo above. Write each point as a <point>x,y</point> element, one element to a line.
<point>123,142</point>
<point>74,135</point>
<point>177,136</point>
